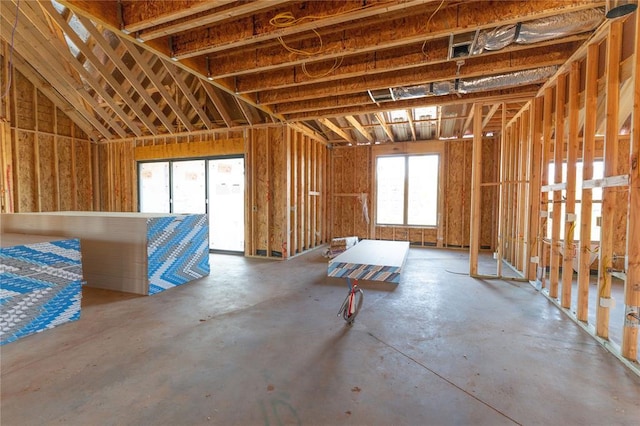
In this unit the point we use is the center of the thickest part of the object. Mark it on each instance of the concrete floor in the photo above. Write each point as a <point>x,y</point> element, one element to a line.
<point>258,343</point>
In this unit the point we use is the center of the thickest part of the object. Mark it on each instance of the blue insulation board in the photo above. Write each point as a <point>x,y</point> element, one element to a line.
<point>177,250</point>
<point>40,287</point>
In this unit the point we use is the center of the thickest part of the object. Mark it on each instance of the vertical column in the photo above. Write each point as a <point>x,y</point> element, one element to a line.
<point>534,190</point>
<point>631,326</point>
<point>558,147</point>
<point>588,149</point>
<point>503,190</point>
<point>543,248</point>
<point>476,177</point>
<point>570,203</point>
<point>614,44</point>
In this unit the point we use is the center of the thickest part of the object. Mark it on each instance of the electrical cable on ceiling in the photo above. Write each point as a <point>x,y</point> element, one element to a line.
<point>287,19</point>
<point>11,48</point>
<point>426,29</point>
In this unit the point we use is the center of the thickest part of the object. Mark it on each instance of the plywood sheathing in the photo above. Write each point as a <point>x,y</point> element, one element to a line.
<point>286,191</point>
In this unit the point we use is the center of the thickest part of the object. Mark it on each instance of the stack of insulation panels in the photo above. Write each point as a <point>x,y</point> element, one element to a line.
<point>40,284</point>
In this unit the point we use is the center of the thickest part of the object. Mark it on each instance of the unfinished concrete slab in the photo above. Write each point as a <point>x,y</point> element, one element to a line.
<point>258,343</point>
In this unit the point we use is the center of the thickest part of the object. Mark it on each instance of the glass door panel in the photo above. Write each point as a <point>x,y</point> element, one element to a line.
<point>154,187</point>
<point>226,204</point>
<point>188,186</point>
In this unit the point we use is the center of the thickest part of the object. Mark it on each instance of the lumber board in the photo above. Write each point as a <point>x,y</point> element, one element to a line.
<point>558,147</point>
<point>631,327</point>
<point>588,148</point>
<point>476,180</point>
<point>570,217</point>
<point>614,43</point>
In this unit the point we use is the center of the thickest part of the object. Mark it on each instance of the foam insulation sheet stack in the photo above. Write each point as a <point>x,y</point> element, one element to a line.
<point>40,284</point>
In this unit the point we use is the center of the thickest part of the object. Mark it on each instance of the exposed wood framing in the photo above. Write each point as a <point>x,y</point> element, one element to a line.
<point>558,149</point>
<point>476,180</point>
<point>570,217</point>
<point>588,155</point>
<point>631,327</point>
<point>614,46</point>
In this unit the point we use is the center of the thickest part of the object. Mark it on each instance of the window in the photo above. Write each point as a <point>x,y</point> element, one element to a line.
<point>407,190</point>
<point>596,209</point>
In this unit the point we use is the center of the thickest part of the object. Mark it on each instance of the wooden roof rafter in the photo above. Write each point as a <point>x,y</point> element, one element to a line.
<point>337,130</point>
<point>360,128</point>
<point>153,77</point>
<point>39,36</point>
<point>132,79</point>
<point>103,72</point>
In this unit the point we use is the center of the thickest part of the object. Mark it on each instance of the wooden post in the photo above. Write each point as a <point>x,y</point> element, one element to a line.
<point>503,191</point>
<point>547,126</point>
<point>588,149</point>
<point>6,165</point>
<point>523,187</point>
<point>570,204</point>
<point>534,190</point>
<point>631,326</point>
<point>558,147</point>
<point>614,44</point>
<point>476,177</point>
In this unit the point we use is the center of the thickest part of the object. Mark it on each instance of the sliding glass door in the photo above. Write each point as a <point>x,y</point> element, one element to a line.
<point>226,204</point>
<point>212,185</point>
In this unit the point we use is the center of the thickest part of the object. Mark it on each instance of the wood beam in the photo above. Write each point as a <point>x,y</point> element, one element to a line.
<point>87,51</point>
<point>143,63</point>
<point>219,103</point>
<point>362,104</point>
<point>558,147</point>
<point>474,67</point>
<point>127,73</point>
<point>588,154</point>
<point>384,32</point>
<point>614,52</point>
<point>476,181</point>
<point>410,56</point>
<point>385,126</point>
<point>138,15</point>
<point>217,13</point>
<point>631,327</point>
<point>570,219</point>
<point>303,128</point>
<point>337,130</point>
<point>356,124</point>
<point>490,114</point>
<point>311,16</point>
<point>412,126</point>
<point>186,91</point>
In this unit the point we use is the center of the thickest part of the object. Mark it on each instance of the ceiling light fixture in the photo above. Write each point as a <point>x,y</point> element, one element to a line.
<point>619,8</point>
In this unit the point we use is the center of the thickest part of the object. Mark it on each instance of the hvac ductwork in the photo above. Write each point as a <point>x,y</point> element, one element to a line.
<point>463,86</point>
<point>538,30</point>
<point>506,80</point>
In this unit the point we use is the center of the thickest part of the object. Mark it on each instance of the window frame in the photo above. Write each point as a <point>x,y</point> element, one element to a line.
<point>408,150</point>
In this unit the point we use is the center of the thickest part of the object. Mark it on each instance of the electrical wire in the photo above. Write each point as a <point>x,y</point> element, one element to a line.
<point>11,48</point>
<point>426,29</point>
<point>287,19</point>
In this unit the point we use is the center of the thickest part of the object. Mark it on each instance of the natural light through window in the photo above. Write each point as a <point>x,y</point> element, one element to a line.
<point>407,190</point>
<point>596,209</point>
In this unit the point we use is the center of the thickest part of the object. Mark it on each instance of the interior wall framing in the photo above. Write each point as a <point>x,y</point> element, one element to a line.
<point>47,160</point>
<point>588,111</point>
<point>353,184</point>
